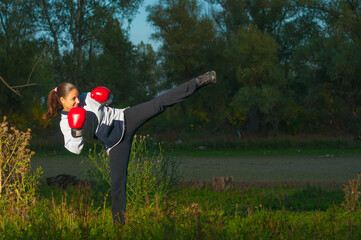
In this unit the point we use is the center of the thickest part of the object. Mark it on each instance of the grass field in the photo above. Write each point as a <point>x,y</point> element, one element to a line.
<point>285,190</point>
<point>258,168</point>
<point>277,197</point>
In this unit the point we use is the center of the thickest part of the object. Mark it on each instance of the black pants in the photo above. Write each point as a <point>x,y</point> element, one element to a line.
<point>135,117</point>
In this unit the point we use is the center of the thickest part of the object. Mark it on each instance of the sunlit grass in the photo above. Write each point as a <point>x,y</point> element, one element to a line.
<point>190,212</point>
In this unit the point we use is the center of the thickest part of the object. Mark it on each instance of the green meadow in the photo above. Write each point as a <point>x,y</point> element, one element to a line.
<point>276,195</point>
<point>189,212</point>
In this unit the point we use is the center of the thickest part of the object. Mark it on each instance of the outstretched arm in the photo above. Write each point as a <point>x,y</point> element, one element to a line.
<point>74,145</point>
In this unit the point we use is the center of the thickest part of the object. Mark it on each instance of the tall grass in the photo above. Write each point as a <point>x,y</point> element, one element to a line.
<point>191,212</point>
<point>188,213</point>
<point>163,210</point>
<point>17,182</point>
<point>151,174</point>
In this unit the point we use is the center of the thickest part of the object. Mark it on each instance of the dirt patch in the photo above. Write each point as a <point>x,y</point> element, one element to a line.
<point>255,170</point>
<point>274,169</point>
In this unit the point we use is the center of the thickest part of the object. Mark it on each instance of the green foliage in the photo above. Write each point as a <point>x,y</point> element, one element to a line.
<point>257,59</point>
<point>189,213</point>
<point>151,175</point>
<point>97,165</point>
<point>307,198</point>
<point>114,66</point>
<point>186,35</point>
<point>352,194</point>
<point>147,73</point>
<point>81,27</point>
<point>283,66</point>
<point>17,183</point>
<point>340,67</point>
<point>261,77</point>
<point>189,47</point>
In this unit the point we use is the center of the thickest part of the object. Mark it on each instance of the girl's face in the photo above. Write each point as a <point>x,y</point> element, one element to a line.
<point>71,100</point>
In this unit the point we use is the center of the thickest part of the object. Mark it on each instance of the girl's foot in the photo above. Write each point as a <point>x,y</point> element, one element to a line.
<point>207,78</point>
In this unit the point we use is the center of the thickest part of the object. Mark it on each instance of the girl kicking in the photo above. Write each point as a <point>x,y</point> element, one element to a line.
<point>88,117</point>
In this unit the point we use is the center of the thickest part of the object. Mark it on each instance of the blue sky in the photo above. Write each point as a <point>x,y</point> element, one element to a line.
<point>140,29</point>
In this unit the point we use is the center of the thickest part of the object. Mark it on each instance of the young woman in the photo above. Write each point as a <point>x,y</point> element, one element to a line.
<point>111,127</point>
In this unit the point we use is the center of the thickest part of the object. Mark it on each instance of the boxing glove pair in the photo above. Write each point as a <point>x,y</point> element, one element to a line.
<point>77,115</point>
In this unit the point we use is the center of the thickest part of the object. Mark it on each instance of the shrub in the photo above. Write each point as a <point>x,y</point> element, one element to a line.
<point>17,183</point>
<point>98,172</point>
<point>151,175</point>
<point>352,194</point>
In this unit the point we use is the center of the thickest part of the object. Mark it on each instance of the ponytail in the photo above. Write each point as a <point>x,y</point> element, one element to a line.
<point>54,104</point>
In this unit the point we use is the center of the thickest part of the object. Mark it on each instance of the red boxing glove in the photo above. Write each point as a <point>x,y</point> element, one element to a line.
<point>100,94</point>
<point>76,119</point>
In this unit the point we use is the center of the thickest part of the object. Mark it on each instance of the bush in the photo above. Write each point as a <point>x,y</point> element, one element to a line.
<point>352,194</point>
<point>151,175</point>
<point>17,183</point>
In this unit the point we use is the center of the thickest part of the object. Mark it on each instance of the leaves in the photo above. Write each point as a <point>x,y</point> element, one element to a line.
<point>17,183</point>
<point>290,54</point>
<point>150,177</point>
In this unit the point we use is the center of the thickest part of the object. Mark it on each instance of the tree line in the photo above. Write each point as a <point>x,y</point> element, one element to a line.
<point>283,66</point>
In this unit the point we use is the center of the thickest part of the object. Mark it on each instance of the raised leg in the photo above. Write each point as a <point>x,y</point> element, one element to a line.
<point>135,117</point>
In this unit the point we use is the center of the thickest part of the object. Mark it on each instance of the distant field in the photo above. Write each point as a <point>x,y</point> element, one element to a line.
<point>250,169</point>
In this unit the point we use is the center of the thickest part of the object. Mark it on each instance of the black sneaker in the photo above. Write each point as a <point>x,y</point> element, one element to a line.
<point>207,78</point>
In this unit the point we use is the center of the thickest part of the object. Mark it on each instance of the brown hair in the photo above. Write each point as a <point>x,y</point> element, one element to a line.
<point>54,104</point>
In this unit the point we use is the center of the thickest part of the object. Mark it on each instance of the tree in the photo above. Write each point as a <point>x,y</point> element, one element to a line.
<point>253,31</point>
<point>131,73</point>
<point>147,72</point>
<point>335,58</point>
<point>18,54</point>
<point>189,48</point>
<point>186,35</point>
<point>262,78</point>
<point>72,29</point>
